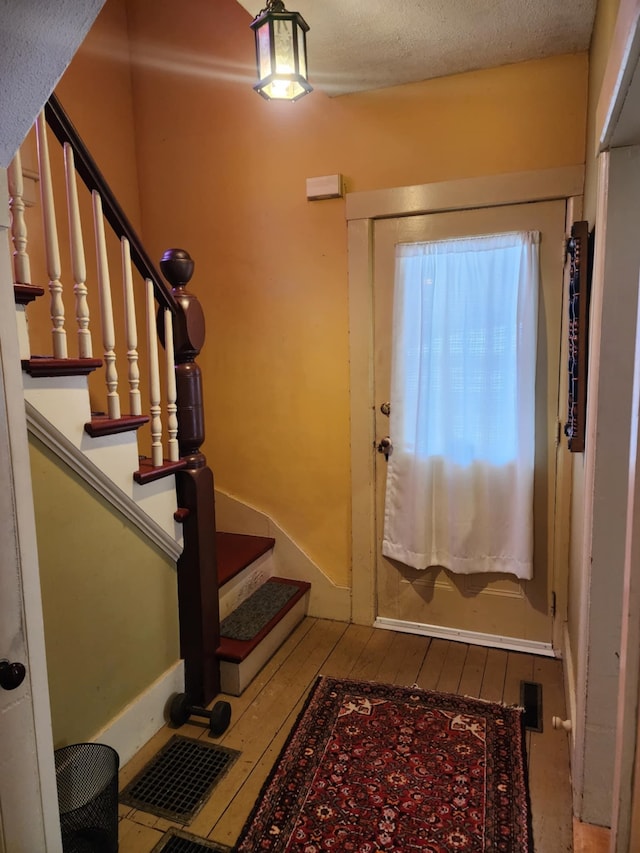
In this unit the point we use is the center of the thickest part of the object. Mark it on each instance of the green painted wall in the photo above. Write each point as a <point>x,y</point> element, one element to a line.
<point>109,600</point>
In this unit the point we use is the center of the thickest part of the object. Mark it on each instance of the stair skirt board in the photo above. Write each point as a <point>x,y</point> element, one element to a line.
<point>236,590</point>
<point>240,661</point>
<point>326,599</point>
<point>107,467</point>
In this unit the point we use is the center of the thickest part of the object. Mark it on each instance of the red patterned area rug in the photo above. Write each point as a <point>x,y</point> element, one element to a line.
<point>374,768</point>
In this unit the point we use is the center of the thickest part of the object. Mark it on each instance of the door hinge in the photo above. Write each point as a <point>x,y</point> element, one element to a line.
<point>553,604</point>
<point>558,433</point>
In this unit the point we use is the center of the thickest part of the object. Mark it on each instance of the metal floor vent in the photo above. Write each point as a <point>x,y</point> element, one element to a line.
<point>176,783</point>
<point>531,701</point>
<point>177,841</point>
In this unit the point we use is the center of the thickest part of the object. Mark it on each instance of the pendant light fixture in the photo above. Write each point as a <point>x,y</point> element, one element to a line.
<point>281,53</point>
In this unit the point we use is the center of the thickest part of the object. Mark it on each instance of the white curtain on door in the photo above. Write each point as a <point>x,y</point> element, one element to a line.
<point>460,478</point>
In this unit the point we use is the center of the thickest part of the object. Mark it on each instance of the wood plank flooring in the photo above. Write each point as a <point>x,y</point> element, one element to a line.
<point>590,839</point>
<point>263,715</point>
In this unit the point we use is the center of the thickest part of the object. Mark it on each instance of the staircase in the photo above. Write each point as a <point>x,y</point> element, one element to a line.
<point>160,481</point>
<point>244,574</point>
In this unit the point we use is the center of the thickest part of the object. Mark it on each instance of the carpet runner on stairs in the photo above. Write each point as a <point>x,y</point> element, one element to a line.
<point>257,611</point>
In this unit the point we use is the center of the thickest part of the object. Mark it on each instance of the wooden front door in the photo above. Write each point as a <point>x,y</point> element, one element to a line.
<point>497,605</point>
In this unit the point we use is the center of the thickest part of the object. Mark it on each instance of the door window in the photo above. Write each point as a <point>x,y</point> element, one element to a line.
<point>460,481</point>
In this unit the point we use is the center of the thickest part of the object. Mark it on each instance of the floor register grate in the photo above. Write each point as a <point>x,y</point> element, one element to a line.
<point>531,701</point>
<point>176,783</point>
<point>177,841</point>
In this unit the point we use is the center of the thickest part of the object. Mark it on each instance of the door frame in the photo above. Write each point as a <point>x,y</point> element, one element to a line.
<point>29,818</point>
<point>617,133</point>
<point>362,209</point>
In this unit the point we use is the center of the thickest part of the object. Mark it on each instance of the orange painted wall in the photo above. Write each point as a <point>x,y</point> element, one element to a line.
<point>96,93</point>
<point>222,173</point>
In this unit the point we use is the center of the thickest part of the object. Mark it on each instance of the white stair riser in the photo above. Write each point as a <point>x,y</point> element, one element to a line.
<point>242,585</point>
<point>63,401</point>
<point>23,332</point>
<point>235,677</point>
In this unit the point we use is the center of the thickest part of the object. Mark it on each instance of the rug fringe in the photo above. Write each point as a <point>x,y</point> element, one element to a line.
<point>494,702</point>
<point>516,707</point>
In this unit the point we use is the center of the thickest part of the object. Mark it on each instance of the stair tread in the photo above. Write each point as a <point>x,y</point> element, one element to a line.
<point>44,365</point>
<point>101,424</point>
<point>26,293</point>
<point>148,473</point>
<point>238,650</point>
<point>236,551</point>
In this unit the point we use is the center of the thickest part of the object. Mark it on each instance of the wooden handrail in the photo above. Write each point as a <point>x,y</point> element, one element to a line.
<point>64,131</point>
<point>175,318</point>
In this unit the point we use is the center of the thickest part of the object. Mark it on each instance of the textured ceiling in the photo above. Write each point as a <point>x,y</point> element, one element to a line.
<point>354,45</point>
<point>37,41</point>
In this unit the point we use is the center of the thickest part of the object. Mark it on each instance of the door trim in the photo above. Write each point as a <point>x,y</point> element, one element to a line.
<point>29,815</point>
<point>489,191</point>
<point>362,209</point>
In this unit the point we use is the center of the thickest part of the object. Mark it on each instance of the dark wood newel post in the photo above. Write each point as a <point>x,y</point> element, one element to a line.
<point>197,568</point>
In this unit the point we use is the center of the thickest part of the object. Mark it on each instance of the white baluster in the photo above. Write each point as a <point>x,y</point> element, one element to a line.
<point>135,404</point>
<point>172,408</point>
<point>78,263</point>
<point>154,379</point>
<point>21,266</point>
<point>106,310</point>
<point>51,240</point>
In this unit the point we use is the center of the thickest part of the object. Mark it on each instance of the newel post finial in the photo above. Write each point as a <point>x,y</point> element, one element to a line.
<point>189,336</point>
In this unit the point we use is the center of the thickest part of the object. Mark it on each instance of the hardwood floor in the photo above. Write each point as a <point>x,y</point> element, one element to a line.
<point>590,839</point>
<point>264,714</point>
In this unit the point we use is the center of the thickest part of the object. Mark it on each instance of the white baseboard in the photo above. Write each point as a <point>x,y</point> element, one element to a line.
<point>494,641</point>
<point>141,719</point>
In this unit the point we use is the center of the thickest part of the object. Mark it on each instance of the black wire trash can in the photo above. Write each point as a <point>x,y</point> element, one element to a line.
<point>87,780</point>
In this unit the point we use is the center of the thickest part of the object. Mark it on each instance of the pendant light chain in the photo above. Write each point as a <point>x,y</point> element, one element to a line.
<point>272,6</point>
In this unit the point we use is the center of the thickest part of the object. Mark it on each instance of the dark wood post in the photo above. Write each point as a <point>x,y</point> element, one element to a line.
<point>197,567</point>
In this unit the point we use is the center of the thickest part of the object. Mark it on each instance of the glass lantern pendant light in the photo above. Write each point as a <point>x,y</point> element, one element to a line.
<point>281,53</point>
